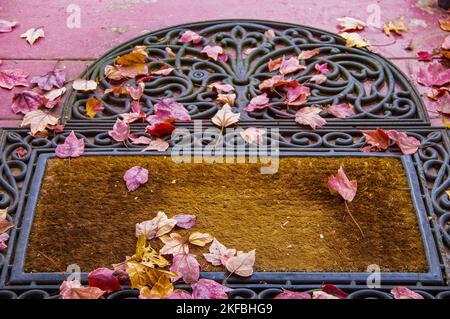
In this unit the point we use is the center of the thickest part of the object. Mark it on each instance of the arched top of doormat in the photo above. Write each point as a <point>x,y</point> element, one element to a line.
<point>381,93</point>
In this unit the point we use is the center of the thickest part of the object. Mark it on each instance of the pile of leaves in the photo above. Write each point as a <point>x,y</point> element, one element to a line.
<point>5,225</point>
<point>154,272</point>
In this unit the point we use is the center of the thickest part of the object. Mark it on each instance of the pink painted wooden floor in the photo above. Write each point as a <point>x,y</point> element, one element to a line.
<point>107,23</point>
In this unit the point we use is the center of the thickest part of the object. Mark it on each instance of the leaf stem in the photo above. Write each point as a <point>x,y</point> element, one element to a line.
<point>353,218</point>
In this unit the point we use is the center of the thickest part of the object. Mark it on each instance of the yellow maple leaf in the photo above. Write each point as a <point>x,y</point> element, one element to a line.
<point>354,40</point>
<point>137,56</point>
<point>397,27</point>
<point>162,288</point>
<point>448,193</point>
<point>148,256</point>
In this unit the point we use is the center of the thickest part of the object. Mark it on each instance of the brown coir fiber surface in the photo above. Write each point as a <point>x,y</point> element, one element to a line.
<point>86,216</point>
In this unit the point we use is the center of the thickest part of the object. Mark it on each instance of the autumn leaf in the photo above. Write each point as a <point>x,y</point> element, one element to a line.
<point>342,110</point>
<point>21,152</point>
<point>354,40</point>
<point>160,290</point>
<point>120,131</point>
<point>221,88</point>
<point>159,127</point>
<point>318,78</point>
<point>158,226</point>
<point>296,93</point>
<point>135,177</point>
<point>119,72</point>
<point>93,106</point>
<point>425,56</point>
<point>269,34</point>
<point>7,26</point>
<point>164,71</point>
<point>218,253</point>
<point>38,121</point>
<point>253,135</point>
<point>185,221</point>
<point>215,52</point>
<point>5,225</point>
<point>137,56</point>
<point>308,54</point>
<point>209,289</point>
<point>171,109</point>
<point>186,267</point>
<point>179,294</point>
<point>83,85</point>
<point>407,144</point>
<point>342,185</point>
<point>275,81</point>
<point>228,98</point>
<point>26,101</point>
<point>170,52</point>
<point>241,264</point>
<point>174,244</point>
<point>377,139</point>
<point>74,290</point>
<point>394,26</point>
<point>135,93</point>
<point>55,78</point>
<point>104,279</point>
<point>32,35</point>
<point>350,24</point>
<point>147,256</point>
<point>225,117</point>
<point>158,145</point>
<point>319,294</point>
<point>190,36</point>
<point>72,147</point>
<point>321,68</point>
<point>310,115</point>
<point>290,65</point>
<point>54,94</point>
<point>12,78</point>
<point>200,239</point>
<point>405,293</point>
<point>444,23</point>
<point>435,74</point>
<point>334,291</point>
<point>288,294</point>
<point>274,65</point>
<point>258,102</point>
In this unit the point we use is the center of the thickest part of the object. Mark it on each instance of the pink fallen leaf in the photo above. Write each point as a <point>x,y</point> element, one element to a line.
<point>74,290</point>
<point>218,253</point>
<point>296,93</point>
<point>253,135</point>
<point>104,279</point>
<point>405,293</point>
<point>5,225</point>
<point>221,87</point>
<point>377,139</point>
<point>12,78</point>
<point>26,101</point>
<point>318,78</point>
<point>258,102</point>
<point>120,72</point>
<point>308,54</point>
<point>135,139</point>
<point>407,144</point>
<point>171,109</point>
<point>164,71</point>
<point>434,74</point>
<point>310,115</point>
<point>120,131</point>
<point>135,177</point>
<point>159,127</point>
<point>7,26</point>
<point>55,78</point>
<point>269,34</point>
<point>319,294</point>
<point>425,56</point>
<point>135,93</point>
<point>342,185</point>
<point>288,294</point>
<point>72,147</point>
<point>186,267</point>
<point>275,81</point>
<point>225,117</point>
<point>3,239</point>
<point>158,145</point>
<point>200,239</point>
<point>170,52</point>
<point>322,68</point>
<point>185,221</point>
<point>446,44</point>
<point>179,294</point>
<point>21,152</point>
<point>54,94</point>
<point>190,36</point>
<point>350,24</point>
<point>33,34</point>
<point>342,110</point>
<point>39,121</point>
<point>209,289</point>
<point>215,52</point>
<point>156,227</point>
<point>174,244</point>
<point>241,264</point>
<point>290,65</point>
<point>229,98</point>
<point>335,291</point>
<point>82,85</point>
<point>274,65</point>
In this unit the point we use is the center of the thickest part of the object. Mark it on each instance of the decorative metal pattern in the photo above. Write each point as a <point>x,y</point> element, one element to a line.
<point>376,88</point>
